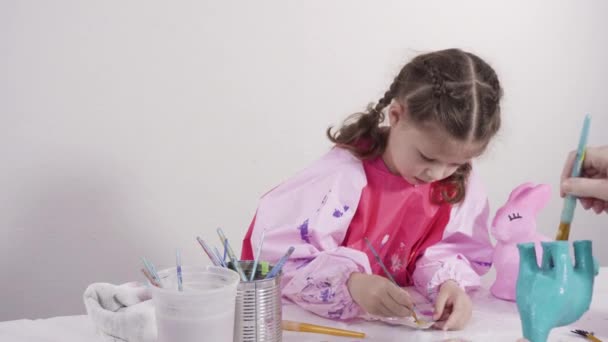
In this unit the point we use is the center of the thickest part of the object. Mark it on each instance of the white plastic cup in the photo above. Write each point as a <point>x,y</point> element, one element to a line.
<point>204,311</point>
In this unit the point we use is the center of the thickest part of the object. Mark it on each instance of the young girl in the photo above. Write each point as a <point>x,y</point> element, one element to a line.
<point>408,188</point>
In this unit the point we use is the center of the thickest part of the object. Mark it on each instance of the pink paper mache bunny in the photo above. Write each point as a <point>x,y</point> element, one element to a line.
<point>514,223</point>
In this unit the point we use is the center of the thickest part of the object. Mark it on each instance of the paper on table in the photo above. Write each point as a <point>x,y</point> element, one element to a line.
<point>424,309</point>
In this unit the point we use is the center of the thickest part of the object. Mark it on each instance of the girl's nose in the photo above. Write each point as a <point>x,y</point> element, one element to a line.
<point>434,173</point>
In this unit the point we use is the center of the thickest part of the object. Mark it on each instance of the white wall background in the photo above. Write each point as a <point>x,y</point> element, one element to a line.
<point>129,127</point>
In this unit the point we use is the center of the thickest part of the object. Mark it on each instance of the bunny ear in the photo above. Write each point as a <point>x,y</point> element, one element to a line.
<point>520,191</point>
<point>539,197</point>
<point>534,197</point>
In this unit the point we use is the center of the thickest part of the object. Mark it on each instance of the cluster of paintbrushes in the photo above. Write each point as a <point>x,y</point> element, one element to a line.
<point>217,260</point>
<point>220,260</point>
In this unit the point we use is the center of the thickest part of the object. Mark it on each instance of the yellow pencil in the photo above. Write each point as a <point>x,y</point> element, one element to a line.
<point>313,328</point>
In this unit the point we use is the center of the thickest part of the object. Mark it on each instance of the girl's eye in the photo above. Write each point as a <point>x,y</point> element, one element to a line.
<point>430,160</point>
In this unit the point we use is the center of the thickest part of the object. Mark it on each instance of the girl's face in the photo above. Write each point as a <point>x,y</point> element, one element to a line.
<point>424,153</point>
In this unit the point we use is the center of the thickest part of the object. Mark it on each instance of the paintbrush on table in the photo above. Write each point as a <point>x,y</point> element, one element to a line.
<point>588,335</point>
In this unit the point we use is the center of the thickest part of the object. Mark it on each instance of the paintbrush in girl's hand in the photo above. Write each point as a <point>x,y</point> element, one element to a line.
<point>390,276</point>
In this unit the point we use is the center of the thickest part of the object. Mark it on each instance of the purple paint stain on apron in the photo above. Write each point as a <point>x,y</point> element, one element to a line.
<point>304,231</point>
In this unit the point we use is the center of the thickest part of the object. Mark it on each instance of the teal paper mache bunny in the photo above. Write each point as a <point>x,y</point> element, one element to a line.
<point>557,293</point>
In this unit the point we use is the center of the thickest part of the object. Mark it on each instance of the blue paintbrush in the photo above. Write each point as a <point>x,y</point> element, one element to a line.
<point>257,256</point>
<point>277,268</point>
<point>570,201</point>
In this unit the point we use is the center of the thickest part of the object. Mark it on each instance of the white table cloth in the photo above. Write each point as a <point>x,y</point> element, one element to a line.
<point>493,320</point>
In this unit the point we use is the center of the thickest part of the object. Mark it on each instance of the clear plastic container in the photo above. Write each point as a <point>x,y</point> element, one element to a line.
<point>203,311</point>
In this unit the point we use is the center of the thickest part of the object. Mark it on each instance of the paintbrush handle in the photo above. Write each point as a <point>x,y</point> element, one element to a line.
<point>178,268</point>
<point>570,201</point>
<point>150,278</point>
<point>231,255</point>
<point>319,329</point>
<point>385,270</point>
<point>379,261</point>
<point>257,257</point>
<point>277,268</point>
<point>388,274</point>
<point>209,252</point>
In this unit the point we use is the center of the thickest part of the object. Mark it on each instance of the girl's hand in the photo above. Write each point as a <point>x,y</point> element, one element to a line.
<point>379,296</point>
<point>453,307</point>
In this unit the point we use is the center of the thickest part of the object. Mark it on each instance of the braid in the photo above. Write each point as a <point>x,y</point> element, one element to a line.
<point>386,99</point>
<point>437,79</point>
<point>364,137</point>
<point>495,84</point>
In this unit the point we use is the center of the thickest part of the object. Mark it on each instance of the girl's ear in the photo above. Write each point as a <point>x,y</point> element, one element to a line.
<point>396,113</point>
